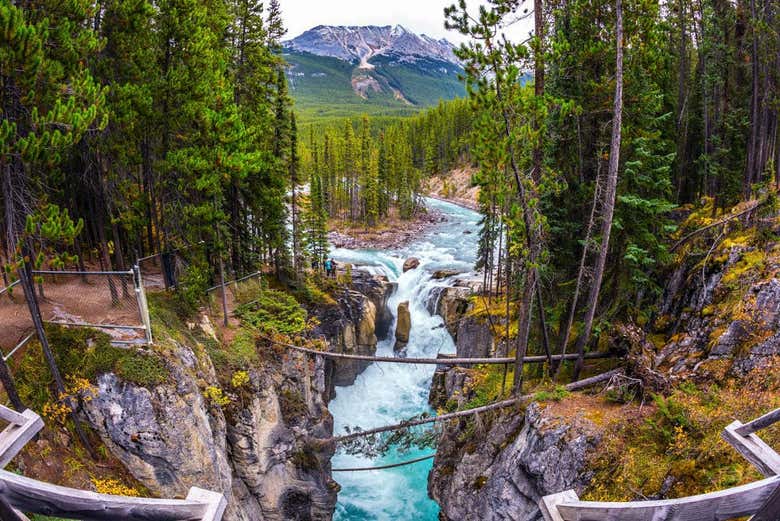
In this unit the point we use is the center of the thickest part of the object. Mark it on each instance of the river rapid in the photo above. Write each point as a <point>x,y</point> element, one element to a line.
<point>389,393</point>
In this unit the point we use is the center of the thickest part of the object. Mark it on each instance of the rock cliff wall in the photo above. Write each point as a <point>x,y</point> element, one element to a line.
<point>264,449</point>
<point>262,441</point>
<point>719,318</point>
<point>499,468</point>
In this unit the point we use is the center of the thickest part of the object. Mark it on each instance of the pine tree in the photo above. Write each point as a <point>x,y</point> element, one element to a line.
<point>276,29</point>
<point>49,101</point>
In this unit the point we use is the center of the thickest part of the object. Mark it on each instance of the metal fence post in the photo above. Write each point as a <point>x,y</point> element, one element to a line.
<point>143,305</point>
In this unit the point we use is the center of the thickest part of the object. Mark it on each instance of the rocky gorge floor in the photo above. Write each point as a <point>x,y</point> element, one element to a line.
<point>394,234</point>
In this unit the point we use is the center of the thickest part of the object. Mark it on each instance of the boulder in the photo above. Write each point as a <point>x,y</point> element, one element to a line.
<point>411,263</point>
<point>444,274</point>
<point>403,326</point>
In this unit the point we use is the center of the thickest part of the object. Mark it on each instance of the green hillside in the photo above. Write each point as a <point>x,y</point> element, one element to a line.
<point>322,87</point>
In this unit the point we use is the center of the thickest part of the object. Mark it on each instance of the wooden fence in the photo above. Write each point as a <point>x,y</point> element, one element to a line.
<point>761,499</point>
<point>20,494</point>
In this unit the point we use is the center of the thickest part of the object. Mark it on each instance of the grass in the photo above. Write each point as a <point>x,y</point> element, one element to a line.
<point>82,353</point>
<point>680,440</point>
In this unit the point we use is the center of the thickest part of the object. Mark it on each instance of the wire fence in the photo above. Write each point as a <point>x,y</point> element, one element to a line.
<point>16,326</point>
<point>167,271</point>
<point>162,270</point>
<point>111,301</point>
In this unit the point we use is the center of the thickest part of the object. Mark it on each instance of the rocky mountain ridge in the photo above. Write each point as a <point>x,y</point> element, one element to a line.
<point>340,71</point>
<point>362,43</point>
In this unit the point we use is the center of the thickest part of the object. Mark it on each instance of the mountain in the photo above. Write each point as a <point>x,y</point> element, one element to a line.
<point>339,71</point>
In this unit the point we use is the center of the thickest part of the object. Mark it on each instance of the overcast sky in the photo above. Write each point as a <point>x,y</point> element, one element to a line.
<point>420,16</point>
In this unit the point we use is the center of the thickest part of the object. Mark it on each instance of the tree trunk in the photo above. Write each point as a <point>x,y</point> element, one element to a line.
<point>543,327</point>
<point>751,173</point>
<point>538,80</point>
<point>10,229</point>
<point>565,332</point>
<point>682,101</point>
<point>609,195</point>
<point>26,278</point>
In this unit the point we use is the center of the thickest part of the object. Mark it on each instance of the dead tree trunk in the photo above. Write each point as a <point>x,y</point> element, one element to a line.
<point>26,278</point>
<point>609,195</point>
<point>9,198</point>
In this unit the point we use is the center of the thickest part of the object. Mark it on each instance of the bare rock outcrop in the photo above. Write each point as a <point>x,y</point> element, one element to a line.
<point>378,289</point>
<point>501,472</point>
<point>266,447</point>
<point>403,327</point>
<point>349,328</point>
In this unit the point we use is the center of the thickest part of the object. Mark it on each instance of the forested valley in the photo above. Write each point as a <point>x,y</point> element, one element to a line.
<point>624,163</point>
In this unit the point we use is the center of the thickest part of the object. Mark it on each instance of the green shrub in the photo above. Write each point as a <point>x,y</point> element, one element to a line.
<point>142,369</point>
<point>556,395</point>
<point>85,353</point>
<point>274,312</point>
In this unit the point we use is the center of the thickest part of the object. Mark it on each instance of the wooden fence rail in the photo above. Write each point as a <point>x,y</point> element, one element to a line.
<point>760,499</point>
<point>436,361</point>
<point>18,493</point>
<point>29,495</point>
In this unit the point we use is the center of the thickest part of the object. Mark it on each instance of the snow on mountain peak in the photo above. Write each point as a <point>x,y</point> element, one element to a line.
<point>360,44</point>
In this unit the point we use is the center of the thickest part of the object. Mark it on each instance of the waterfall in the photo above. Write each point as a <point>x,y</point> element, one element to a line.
<point>387,393</point>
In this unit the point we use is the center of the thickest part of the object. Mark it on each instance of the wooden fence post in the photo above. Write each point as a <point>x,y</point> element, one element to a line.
<point>549,504</point>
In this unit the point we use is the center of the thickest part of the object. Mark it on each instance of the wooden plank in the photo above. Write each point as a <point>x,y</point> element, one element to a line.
<point>7,512</point>
<point>549,504</point>
<point>36,497</point>
<point>436,361</point>
<point>725,504</point>
<point>753,449</point>
<point>216,501</point>
<point>763,422</point>
<point>21,435</point>
<point>770,511</point>
<point>12,416</point>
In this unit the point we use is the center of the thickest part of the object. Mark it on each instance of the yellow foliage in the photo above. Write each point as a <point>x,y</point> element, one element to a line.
<point>216,396</point>
<point>751,262</point>
<point>113,487</point>
<point>240,379</point>
<point>55,412</point>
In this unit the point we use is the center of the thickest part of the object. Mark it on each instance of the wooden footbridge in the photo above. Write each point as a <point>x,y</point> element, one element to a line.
<point>761,499</point>
<point>20,494</point>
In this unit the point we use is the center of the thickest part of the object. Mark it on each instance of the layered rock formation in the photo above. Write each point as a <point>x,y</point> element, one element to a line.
<point>354,325</point>
<point>722,317</point>
<point>718,318</point>
<point>265,450</point>
<point>508,464</point>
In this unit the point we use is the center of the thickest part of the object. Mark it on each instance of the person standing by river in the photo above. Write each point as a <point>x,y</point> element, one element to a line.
<point>330,267</point>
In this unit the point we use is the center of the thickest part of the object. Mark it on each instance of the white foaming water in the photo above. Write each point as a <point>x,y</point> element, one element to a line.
<point>388,393</point>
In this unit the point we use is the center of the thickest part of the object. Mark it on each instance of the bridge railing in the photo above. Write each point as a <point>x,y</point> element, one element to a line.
<point>760,499</point>
<point>20,494</point>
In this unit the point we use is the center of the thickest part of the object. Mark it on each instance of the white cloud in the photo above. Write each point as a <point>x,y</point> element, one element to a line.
<point>420,16</point>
